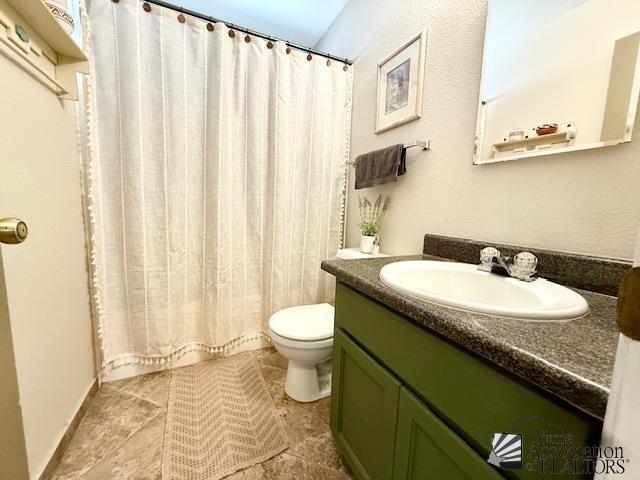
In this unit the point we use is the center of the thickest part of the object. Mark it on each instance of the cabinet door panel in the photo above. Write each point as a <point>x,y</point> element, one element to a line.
<point>426,449</point>
<point>364,407</point>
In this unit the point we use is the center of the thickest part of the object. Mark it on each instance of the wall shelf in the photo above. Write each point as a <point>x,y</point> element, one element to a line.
<point>49,54</point>
<point>37,15</point>
<point>535,143</point>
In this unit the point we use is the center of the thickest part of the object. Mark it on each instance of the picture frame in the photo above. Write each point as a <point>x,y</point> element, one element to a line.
<point>400,85</point>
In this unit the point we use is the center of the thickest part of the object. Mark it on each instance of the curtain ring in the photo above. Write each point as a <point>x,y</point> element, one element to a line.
<point>247,39</point>
<point>146,7</point>
<point>232,33</point>
<point>328,62</point>
<point>210,26</point>
<point>269,44</point>
<point>288,50</point>
<point>115,1</point>
<point>181,18</point>
<point>346,67</point>
<point>309,57</point>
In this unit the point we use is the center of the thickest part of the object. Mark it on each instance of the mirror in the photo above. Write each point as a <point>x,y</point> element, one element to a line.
<point>557,76</point>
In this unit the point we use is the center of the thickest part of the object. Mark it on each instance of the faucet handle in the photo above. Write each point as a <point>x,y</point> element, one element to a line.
<point>487,254</point>
<point>524,265</point>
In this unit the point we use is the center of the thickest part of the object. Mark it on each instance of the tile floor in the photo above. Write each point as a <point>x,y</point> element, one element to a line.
<point>121,435</point>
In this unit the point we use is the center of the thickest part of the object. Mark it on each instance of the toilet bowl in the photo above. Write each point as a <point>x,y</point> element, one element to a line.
<point>304,336</point>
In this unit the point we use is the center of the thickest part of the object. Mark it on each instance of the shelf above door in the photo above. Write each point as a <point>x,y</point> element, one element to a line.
<point>33,40</point>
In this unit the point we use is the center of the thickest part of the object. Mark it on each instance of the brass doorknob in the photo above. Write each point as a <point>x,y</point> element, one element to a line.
<point>13,230</point>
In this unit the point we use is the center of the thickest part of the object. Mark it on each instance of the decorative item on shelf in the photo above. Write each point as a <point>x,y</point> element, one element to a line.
<point>516,134</point>
<point>547,129</point>
<point>371,218</point>
<point>547,137</point>
<point>21,33</point>
<point>400,82</point>
<point>62,15</point>
<point>376,247</point>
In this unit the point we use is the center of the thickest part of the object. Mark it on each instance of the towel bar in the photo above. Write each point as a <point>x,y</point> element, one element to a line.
<point>425,144</point>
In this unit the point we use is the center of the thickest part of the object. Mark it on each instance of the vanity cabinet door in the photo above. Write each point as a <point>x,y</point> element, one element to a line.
<point>364,409</point>
<point>426,449</point>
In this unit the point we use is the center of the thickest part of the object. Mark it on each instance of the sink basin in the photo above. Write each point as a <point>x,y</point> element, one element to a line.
<point>463,286</point>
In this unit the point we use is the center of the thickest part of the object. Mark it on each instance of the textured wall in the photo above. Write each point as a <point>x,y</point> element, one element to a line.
<point>586,202</point>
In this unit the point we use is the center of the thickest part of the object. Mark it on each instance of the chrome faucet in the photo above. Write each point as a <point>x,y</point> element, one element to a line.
<point>523,266</point>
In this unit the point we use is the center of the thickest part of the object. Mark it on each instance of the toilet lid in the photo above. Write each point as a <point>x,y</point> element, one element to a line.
<point>305,322</point>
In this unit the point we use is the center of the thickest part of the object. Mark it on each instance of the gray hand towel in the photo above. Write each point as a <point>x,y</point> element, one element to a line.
<point>380,166</point>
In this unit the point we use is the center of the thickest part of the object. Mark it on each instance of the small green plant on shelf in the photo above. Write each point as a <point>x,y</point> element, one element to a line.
<point>371,219</point>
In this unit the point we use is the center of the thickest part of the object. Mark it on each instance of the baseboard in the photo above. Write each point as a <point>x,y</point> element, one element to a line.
<point>53,462</point>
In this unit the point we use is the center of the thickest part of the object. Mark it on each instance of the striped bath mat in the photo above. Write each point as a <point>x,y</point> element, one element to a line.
<point>220,419</point>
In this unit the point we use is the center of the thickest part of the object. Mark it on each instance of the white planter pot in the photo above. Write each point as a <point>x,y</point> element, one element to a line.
<point>366,243</point>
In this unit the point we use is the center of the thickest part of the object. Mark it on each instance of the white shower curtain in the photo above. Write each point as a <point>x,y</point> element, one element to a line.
<point>216,181</point>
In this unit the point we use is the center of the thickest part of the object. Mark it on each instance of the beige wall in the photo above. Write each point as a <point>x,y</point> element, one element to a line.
<point>46,277</point>
<point>587,202</point>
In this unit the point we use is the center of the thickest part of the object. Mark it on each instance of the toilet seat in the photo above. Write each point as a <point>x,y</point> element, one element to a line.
<point>300,344</point>
<point>304,323</point>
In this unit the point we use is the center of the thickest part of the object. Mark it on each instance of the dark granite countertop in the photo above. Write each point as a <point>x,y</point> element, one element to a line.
<point>572,360</point>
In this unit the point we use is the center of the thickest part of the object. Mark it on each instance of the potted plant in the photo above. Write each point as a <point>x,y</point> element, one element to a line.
<point>371,217</point>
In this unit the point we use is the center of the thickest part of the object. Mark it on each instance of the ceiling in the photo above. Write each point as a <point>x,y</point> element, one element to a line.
<point>298,21</point>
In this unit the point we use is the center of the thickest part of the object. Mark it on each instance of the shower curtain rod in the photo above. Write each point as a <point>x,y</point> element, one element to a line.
<point>207,18</point>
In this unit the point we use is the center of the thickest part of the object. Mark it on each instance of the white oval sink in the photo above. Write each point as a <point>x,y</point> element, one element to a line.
<point>463,286</point>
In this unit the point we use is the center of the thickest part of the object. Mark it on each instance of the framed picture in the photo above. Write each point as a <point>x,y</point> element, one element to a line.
<point>400,81</point>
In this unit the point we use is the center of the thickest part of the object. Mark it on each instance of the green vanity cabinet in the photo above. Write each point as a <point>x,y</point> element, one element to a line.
<point>364,419</point>
<point>409,404</point>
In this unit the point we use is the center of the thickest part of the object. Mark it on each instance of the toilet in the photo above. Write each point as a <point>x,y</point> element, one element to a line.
<point>304,336</point>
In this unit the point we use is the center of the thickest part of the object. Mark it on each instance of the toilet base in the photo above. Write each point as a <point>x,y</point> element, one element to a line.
<point>308,383</point>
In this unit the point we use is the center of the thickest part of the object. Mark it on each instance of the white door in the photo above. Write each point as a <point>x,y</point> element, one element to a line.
<point>45,278</point>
